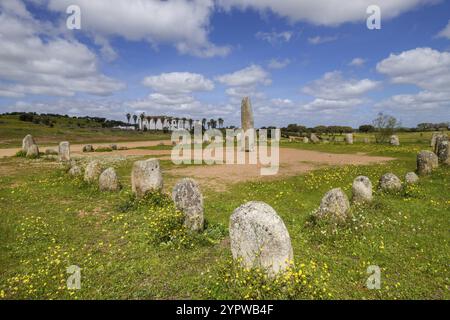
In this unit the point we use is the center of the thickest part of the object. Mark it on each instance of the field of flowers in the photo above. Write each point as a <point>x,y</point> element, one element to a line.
<point>130,249</point>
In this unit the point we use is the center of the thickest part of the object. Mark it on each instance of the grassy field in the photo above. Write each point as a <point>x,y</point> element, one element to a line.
<point>12,131</point>
<point>138,250</point>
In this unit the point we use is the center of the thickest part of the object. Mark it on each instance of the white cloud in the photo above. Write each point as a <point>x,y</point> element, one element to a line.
<point>422,101</point>
<point>250,76</point>
<point>185,24</point>
<point>325,12</point>
<point>278,64</point>
<point>333,86</point>
<point>424,67</point>
<point>275,37</point>
<point>179,82</point>
<point>445,33</point>
<point>357,62</point>
<point>331,105</point>
<point>319,40</point>
<point>56,66</point>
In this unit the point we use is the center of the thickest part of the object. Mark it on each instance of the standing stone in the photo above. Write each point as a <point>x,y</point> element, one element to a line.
<point>247,123</point>
<point>146,177</point>
<point>390,182</point>
<point>433,139</point>
<point>259,238</point>
<point>113,147</point>
<point>75,171</point>
<point>411,178</point>
<point>33,151</point>
<point>362,190</point>
<point>427,161</point>
<point>305,140</point>
<point>92,171</point>
<point>440,138</point>
<point>189,200</point>
<point>27,142</point>
<point>443,152</point>
<point>314,138</point>
<point>64,151</point>
<point>349,138</point>
<point>108,180</point>
<point>334,206</point>
<point>394,141</point>
<point>88,148</point>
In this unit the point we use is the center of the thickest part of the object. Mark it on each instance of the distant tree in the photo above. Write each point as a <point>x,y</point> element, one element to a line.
<point>220,122</point>
<point>366,128</point>
<point>135,117</point>
<point>204,123</point>
<point>385,126</point>
<point>128,118</point>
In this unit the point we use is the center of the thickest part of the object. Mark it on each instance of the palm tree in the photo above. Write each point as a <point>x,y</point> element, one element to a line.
<point>212,121</point>
<point>220,122</point>
<point>128,117</point>
<point>204,123</point>
<point>135,117</point>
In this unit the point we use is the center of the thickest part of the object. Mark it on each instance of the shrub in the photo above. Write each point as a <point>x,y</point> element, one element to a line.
<point>21,154</point>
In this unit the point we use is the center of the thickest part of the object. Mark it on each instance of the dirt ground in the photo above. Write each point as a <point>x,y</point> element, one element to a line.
<point>292,162</point>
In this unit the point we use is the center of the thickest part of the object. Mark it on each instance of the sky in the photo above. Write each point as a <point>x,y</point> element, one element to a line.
<point>306,62</point>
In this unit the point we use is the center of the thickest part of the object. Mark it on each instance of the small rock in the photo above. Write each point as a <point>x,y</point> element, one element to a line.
<point>88,148</point>
<point>394,140</point>
<point>113,147</point>
<point>64,151</point>
<point>75,171</point>
<point>349,138</point>
<point>27,142</point>
<point>443,152</point>
<point>390,182</point>
<point>362,190</point>
<point>427,161</point>
<point>92,171</point>
<point>305,140</point>
<point>314,138</point>
<point>146,177</point>
<point>108,180</point>
<point>411,178</point>
<point>259,238</point>
<point>188,199</point>
<point>33,151</point>
<point>334,206</point>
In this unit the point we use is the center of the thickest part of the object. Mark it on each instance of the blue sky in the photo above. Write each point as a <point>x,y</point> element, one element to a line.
<point>307,62</point>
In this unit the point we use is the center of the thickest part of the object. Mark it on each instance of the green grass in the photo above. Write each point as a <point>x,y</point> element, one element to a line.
<point>49,221</point>
<point>12,131</point>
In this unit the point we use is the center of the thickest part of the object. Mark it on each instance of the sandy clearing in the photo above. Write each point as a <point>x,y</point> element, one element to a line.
<point>292,162</point>
<point>78,148</point>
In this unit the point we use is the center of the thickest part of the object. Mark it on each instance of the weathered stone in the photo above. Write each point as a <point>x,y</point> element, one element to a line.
<point>394,140</point>
<point>108,180</point>
<point>443,152</point>
<point>88,148</point>
<point>390,182</point>
<point>27,142</point>
<point>427,161</point>
<point>349,138</point>
<point>334,206</point>
<point>92,171</point>
<point>259,238</point>
<point>305,140</point>
<point>362,190</point>
<point>247,124</point>
<point>188,199</point>
<point>146,177</point>
<point>75,171</point>
<point>411,178</point>
<point>366,140</point>
<point>433,139</point>
<point>33,151</point>
<point>64,151</point>
<point>314,138</point>
<point>439,139</point>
